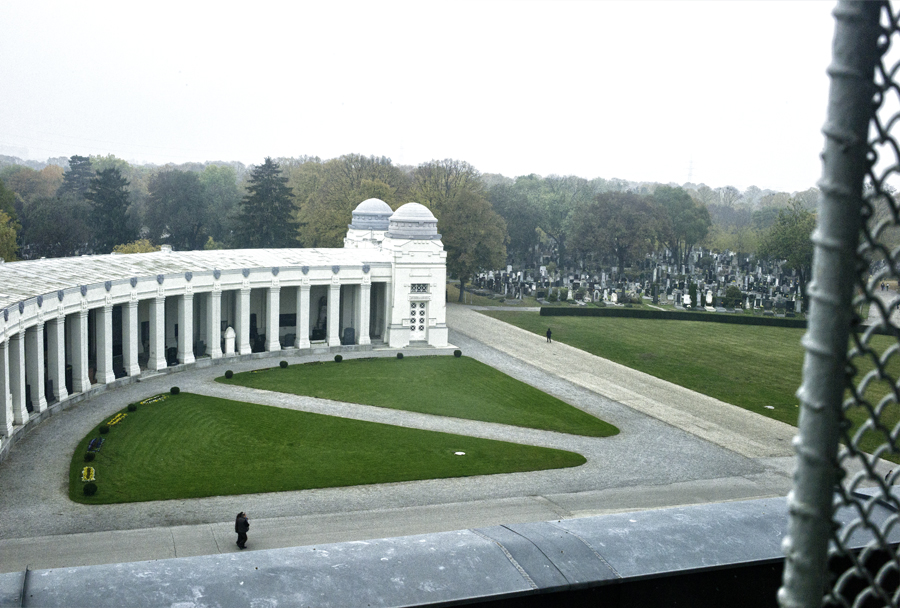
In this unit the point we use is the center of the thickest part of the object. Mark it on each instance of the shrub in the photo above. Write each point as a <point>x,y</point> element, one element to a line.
<point>551,297</point>
<point>540,294</point>
<point>563,294</point>
<point>104,429</point>
<point>132,407</point>
<point>399,355</point>
<point>89,456</point>
<point>229,374</point>
<point>338,358</point>
<point>733,297</point>
<point>502,300</point>
<point>457,353</point>
<point>283,364</point>
<point>90,488</point>
<point>175,390</point>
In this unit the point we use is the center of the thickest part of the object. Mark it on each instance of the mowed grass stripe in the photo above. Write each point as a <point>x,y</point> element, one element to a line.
<point>192,446</point>
<point>748,366</point>
<point>460,387</point>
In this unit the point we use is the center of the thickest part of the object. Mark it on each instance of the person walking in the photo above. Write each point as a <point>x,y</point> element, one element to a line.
<point>548,335</point>
<point>241,526</point>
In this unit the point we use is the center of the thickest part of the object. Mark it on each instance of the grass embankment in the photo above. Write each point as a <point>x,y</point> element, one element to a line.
<point>459,387</point>
<point>191,446</point>
<point>749,366</point>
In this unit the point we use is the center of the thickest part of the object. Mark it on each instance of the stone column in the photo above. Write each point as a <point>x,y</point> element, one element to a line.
<point>186,328</point>
<point>34,366</point>
<point>242,331</point>
<point>78,347</point>
<point>302,340</point>
<point>273,311</point>
<point>6,407</point>
<point>56,356</point>
<point>130,338</point>
<point>105,373</point>
<point>365,299</point>
<point>214,322</point>
<point>334,309</point>
<point>17,377</point>
<point>157,359</point>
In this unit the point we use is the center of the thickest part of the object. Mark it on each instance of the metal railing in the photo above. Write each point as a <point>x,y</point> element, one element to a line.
<point>849,398</point>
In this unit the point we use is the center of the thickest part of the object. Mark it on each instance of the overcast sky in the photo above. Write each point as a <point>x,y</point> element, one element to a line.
<point>718,92</point>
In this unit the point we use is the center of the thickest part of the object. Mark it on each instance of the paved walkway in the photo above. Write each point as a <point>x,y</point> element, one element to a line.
<point>675,447</point>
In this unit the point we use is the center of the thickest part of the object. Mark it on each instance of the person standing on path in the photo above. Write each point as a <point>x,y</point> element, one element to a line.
<point>241,526</point>
<point>548,335</point>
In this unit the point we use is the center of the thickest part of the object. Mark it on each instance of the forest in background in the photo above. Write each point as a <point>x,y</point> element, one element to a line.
<point>98,204</point>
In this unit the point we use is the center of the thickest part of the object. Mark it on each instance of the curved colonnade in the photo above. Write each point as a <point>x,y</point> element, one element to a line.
<point>70,326</point>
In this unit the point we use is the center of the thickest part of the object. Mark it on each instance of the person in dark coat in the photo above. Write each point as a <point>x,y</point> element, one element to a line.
<point>548,335</point>
<point>241,526</point>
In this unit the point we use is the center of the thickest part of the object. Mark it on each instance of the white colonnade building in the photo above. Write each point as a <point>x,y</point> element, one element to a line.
<point>72,325</point>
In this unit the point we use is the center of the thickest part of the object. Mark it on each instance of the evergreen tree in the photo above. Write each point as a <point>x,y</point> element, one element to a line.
<point>266,214</point>
<point>108,196</point>
<point>77,180</point>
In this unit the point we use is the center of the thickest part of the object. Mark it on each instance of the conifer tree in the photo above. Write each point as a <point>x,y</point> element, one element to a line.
<point>266,216</point>
<point>77,180</point>
<point>108,196</point>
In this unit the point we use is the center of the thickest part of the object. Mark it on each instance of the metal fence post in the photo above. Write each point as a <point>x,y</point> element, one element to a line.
<point>850,108</point>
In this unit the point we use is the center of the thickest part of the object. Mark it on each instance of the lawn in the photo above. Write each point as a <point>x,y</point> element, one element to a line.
<point>748,366</point>
<point>191,446</point>
<point>459,387</point>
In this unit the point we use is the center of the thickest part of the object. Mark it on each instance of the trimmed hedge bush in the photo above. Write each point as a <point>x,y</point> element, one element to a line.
<point>338,358</point>
<point>229,374</point>
<point>175,390</point>
<point>283,364</point>
<point>89,456</point>
<point>638,313</point>
<point>399,355</point>
<point>457,353</point>
<point>132,407</point>
<point>104,429</point>
<point>90,488</point>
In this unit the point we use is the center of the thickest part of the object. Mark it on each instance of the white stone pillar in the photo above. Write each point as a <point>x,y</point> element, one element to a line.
<point>186,328</point>
<point>130,338</point>
<point>81,381</point>
<point>273,310</point>
<point>365,298</point>
<point>105,373</point>
<point>214,322</point>
<point>6,407</point>
<point>17,377</point>
<point>334,308</point>
<point>34,366</point>
<point>56,356</point>
<point>157,359</point>
<point>302,339</point>
<point>242,331</point>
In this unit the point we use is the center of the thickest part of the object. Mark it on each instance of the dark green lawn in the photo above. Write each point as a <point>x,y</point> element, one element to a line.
<point>191,446</point>
<point>748,366</point>
<point>460,387</point>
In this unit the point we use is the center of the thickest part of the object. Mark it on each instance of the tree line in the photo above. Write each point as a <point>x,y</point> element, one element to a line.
<point>101,204</point>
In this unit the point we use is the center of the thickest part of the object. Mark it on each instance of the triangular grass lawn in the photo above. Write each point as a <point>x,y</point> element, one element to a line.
<point>460,387</point>
<point>191,446</point>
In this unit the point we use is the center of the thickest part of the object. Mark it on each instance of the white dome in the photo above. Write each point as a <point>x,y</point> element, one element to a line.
<point>413,221</point>
<point>371,214</point>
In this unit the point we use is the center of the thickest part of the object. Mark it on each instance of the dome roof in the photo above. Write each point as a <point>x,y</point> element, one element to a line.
<point>413,221</point>
<point>371,214</point>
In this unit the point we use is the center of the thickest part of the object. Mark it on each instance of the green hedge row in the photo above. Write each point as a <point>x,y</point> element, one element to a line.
<point>672,315</point>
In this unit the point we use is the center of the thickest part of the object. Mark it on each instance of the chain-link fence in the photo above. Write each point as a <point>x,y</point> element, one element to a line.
<point>843,534</point>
